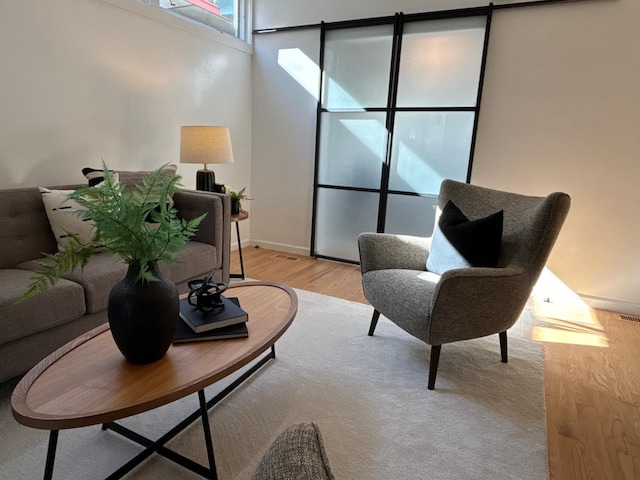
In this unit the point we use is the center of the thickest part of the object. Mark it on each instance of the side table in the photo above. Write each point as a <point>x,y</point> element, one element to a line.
<point>243,215</point>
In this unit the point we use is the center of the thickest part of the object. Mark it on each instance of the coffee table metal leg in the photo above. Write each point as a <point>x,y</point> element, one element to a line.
<point>207,434</point>
<point>51,454</point>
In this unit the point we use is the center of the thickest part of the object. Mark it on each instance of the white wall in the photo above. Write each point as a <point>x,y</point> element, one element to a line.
<point>560,111</point>
<point>284,139</point>
<point>85,80</point>
<point>282,13</point>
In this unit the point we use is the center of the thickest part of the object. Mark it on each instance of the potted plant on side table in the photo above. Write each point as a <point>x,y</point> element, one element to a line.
<point>142,228</point>
<point>236,200</point>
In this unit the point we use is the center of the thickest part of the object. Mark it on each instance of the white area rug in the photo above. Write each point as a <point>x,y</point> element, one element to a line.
<point>485,420</point>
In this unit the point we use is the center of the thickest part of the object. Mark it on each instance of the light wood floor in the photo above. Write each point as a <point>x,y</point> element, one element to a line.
<point>592,367</point>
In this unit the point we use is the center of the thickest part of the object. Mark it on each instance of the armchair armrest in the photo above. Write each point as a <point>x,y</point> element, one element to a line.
<point>298,453</point>
<point>381,251</point>
<point>215,229</point>
<point>486,308</point>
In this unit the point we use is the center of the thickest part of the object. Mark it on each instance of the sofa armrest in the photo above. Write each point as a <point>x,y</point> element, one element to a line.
<point>215,229</point>
<point>381,251</point>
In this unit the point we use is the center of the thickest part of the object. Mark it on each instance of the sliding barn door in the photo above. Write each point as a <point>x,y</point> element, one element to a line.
<point>397,115</point>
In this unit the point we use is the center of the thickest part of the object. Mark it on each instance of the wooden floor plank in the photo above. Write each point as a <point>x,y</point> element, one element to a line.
<point>592,367</point>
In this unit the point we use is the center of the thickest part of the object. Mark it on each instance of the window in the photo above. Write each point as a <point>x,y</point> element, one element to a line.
<point>226,16</point>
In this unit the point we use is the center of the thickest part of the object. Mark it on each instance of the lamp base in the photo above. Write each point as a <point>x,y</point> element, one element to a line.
<point>206,180</point>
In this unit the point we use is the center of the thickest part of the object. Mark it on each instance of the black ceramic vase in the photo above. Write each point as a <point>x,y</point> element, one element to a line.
<point>143,315</point>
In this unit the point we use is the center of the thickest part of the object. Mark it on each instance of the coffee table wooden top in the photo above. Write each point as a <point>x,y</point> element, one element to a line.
<point>88,381</point>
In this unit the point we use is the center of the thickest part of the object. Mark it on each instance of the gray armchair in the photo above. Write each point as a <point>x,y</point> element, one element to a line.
<point>462,303</point>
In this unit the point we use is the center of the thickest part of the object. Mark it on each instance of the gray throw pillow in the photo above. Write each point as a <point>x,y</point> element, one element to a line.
<point>128,178</point>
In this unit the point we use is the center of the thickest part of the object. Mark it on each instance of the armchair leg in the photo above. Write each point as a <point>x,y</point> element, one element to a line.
<point>433,365</point>
<point>374,322</point>
<point>503,346</point>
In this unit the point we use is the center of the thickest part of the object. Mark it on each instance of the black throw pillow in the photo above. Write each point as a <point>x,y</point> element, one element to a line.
<point>458,242</point>
<point>96,176</point>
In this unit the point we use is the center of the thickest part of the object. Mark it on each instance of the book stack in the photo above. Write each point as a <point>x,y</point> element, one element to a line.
<point>195,325</point>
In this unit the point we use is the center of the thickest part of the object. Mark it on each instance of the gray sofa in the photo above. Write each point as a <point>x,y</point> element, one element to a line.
<point>31,330</point>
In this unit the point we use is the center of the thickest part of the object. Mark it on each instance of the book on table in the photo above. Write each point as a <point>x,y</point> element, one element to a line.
<point>200,321</point>
<point>184,333</point>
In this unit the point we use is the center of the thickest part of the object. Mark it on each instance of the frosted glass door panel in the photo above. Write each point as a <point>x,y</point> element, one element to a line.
<point>410,215</point>
<point>356,67</point>
<point>341,216</point>
<point>440,63</point>
<point>429,147</point>
<point>352,149</point>
<point>437,67</point>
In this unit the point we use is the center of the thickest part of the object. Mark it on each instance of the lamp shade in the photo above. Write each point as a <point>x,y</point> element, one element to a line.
<point>205,144</point>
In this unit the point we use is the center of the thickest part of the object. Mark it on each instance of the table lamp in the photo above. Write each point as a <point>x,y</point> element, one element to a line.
<point>205,144</point>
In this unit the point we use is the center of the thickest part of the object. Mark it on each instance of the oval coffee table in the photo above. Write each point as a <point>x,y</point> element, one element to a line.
<point>88,381</point>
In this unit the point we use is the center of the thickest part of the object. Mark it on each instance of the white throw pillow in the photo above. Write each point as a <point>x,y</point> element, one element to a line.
<point>61,219</point>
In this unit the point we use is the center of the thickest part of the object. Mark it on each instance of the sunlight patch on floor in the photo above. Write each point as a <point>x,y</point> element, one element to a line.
<point>562,316</point>
<point>554,335</point>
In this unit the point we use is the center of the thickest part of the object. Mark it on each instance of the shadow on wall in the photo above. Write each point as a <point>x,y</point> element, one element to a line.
<point>54,170</point>
<point>62,165</point>
<point>43,160</point>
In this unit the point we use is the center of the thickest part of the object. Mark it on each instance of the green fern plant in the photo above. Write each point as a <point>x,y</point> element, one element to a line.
<point>140,226</point>
<point>239,196</point>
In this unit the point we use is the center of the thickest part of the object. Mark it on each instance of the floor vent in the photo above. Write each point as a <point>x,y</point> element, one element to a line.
<point>295,259</point>
<point>630,318</point>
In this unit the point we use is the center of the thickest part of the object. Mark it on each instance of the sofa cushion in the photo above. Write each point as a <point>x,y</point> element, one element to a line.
<point>62,303</point>
<point>97,278</point>
<point>104,270</point>
<point>297,453</point>
<point>132,178</point>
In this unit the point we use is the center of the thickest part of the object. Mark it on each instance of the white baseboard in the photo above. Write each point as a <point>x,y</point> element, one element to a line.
<point>281,247</point>
<point>234,245</point>
<point>611,305</point>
